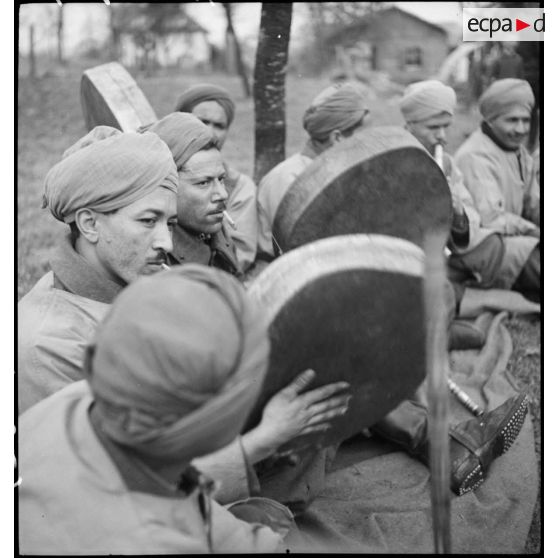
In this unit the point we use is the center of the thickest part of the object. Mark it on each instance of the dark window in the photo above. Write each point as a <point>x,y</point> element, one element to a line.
<point>412,58</point>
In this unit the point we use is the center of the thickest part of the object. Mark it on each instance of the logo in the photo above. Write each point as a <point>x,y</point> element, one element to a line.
<point>503,24</point>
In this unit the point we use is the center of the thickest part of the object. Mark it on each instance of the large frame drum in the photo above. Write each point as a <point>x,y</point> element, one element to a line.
<point>350,308</point>
<point>380,180</point>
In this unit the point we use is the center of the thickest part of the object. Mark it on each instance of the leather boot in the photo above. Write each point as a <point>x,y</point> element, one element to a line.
<point>474,443</point>
<point>477,442</point>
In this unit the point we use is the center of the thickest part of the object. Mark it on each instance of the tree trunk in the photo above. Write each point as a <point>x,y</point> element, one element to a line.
<point>269,86</point>
<point>240,67</point>
<point>60,35</point>
<point>114,34</point>
<point>32,64</point>
<point>320,54</point>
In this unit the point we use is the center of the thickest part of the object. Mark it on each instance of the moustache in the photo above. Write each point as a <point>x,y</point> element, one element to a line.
<point>161,258</point>
<point>219,209</point>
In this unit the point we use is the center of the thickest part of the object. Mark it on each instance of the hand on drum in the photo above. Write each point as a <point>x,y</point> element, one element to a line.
<point>291,413</point>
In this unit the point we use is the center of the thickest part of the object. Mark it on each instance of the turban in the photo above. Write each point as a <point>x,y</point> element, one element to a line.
<point>504,94</point>
<point>184,135</point>
<point>339,107</point>
<point>178,363</point>
<point>107,170</point>
<point>424,99</point>
<point>206,92</point>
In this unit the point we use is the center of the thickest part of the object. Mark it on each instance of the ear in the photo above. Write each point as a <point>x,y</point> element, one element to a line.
<point>335,136</point>
<point>88,224</point>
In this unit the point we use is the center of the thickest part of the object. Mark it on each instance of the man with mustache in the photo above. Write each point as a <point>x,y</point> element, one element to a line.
<point>200,207</point>
<point>500,174</point>
<point>117,193</point>
<point>200,236</point>
<point>214,106</point>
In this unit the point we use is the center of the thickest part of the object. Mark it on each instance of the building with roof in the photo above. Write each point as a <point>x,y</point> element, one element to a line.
<point>175,40</point>
<point>396,42</point>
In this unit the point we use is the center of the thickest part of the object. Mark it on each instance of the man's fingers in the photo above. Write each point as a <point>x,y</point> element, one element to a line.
<point>301,381</point>
<point>338,402</point>
<point>315,428</point>
<point>326,416</point>
<point>324,392</point>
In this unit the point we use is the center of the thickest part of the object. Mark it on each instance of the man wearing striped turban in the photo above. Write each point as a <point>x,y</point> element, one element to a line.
<point>117,193</point>
<point>52,357</point>
<point>171,375</point>
<point>336,113</point>
<point>214,106</point>
<point>500,174</point>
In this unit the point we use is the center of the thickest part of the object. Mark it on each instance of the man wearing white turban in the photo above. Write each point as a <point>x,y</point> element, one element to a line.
<point>478,256</point>
<point>117,192</point>
<point>336,113</point>
<point>500,174</point>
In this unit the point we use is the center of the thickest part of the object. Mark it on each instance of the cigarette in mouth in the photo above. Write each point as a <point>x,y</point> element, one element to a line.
<point>229,220</point>
<point>165,266</point>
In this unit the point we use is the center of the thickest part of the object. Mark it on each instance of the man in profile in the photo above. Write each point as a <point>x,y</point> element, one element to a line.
<point>117,193</point>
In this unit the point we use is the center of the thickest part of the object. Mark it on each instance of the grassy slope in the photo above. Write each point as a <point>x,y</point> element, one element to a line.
<point>50,120</point>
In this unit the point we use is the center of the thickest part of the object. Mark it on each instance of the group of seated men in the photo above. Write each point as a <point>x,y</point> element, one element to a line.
<point>134,382</point>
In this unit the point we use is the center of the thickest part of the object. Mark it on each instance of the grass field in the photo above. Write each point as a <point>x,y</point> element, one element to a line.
<point>50,120</point>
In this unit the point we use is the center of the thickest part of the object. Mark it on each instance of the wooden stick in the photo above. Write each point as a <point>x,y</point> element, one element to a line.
<point>438,393</point>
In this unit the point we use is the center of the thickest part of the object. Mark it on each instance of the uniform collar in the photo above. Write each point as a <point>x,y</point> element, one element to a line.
<point>190,247</point>
<point>487,131</point>
<point>73,273</point>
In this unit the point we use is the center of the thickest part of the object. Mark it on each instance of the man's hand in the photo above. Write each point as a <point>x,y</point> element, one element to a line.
<point>290,413</point>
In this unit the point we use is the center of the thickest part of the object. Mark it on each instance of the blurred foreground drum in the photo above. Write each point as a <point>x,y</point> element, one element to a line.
<point>380,180</point>
<point>111,97</point>
<point>351,309</point>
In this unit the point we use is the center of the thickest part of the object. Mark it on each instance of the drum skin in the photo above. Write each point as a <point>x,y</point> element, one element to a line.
<point>379,181</point>
<point>349,308</point>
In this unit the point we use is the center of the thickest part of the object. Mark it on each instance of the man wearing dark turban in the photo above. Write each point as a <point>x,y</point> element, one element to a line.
<point>117,192</point>
<point>336,113</point>
<point>172,374</point>
<point>202,235</point>
<point>500,174</point>
<point>214,106</point>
